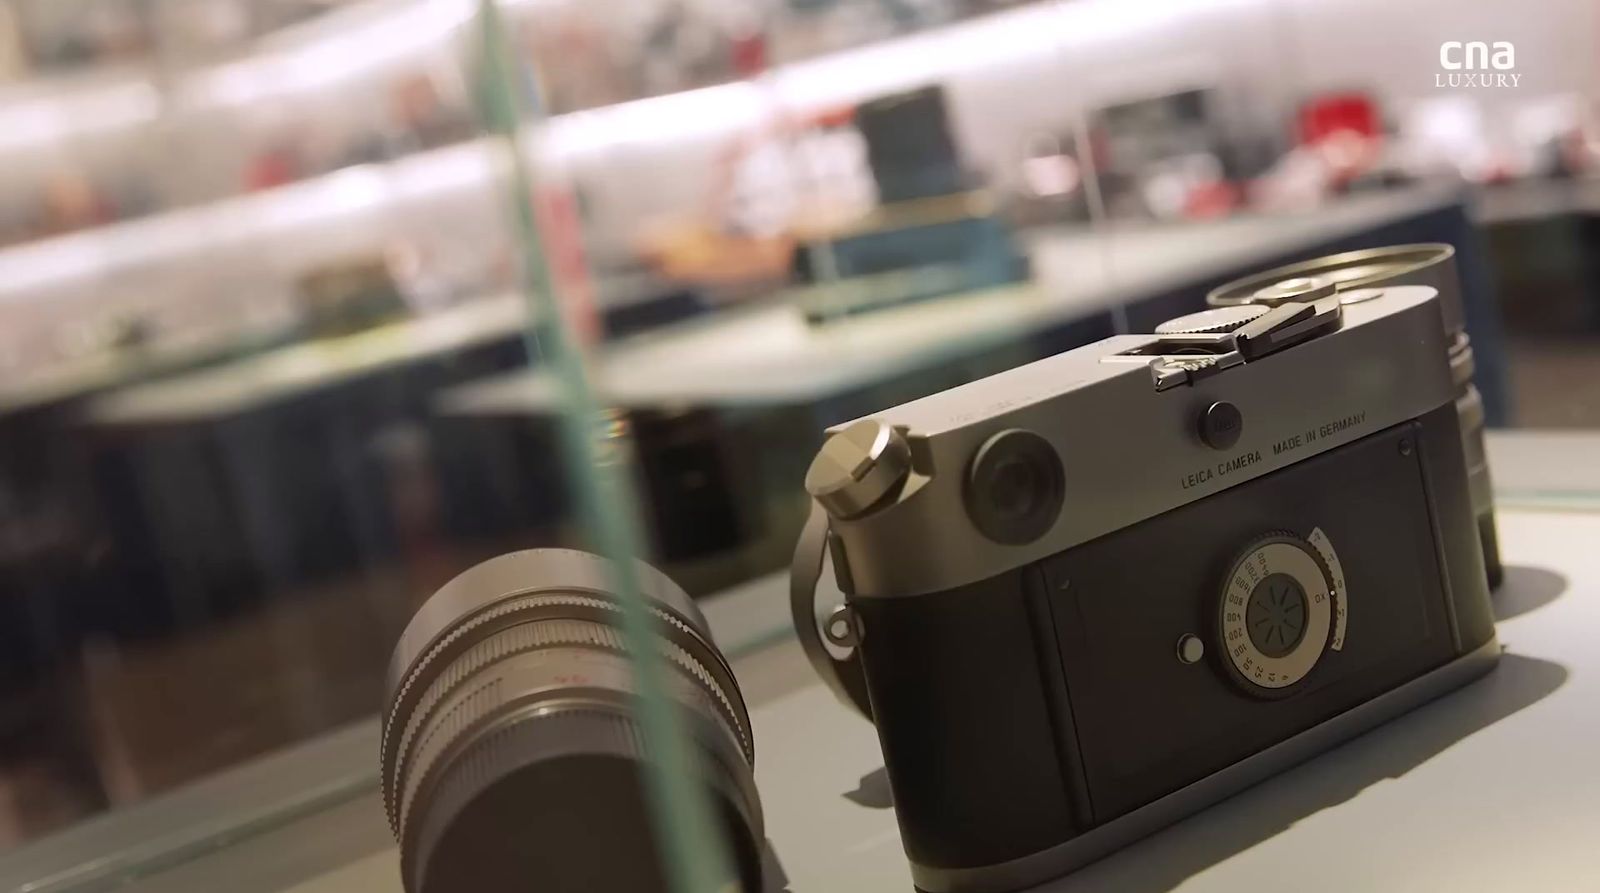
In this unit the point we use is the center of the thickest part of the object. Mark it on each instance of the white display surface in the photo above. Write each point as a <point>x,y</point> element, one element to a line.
<point>1494,787</point>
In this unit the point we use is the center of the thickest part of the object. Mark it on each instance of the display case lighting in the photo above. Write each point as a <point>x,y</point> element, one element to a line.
<point>372,42</point>
<point>197,231</point>
<point>48,120</point>
<point>381,36</point>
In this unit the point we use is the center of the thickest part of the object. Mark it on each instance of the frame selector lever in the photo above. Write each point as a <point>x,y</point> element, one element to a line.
<point>1285,325</point>
<point>1184,358</point>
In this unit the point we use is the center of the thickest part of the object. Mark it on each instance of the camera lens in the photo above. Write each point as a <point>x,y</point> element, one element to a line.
<point>1015,487</point>
<point>512,758</point>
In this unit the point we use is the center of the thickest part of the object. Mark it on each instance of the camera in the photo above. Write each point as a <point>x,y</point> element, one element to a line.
<point>1091,595</point>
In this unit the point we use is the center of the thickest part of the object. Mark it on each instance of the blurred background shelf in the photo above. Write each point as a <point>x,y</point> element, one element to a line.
<point>771,356</point>
<point>413,182</point>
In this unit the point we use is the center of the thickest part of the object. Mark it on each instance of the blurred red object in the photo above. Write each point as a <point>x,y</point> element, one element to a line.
<point>749,54</point>
<point>1212,201</point>
<point>1345,130</point>
<point>1334,114</point>
<point>275,167</point>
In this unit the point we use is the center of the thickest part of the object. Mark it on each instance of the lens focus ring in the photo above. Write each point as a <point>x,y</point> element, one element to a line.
<point>511,720</point>
<point>508,641</point>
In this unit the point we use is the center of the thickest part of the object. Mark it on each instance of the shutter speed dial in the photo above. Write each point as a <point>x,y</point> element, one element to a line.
<point>1215,320</point>
<point>1276,614</point>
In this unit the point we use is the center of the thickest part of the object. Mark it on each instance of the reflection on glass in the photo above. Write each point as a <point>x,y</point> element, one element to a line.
<point>697,855</point>
<point>265,366</point>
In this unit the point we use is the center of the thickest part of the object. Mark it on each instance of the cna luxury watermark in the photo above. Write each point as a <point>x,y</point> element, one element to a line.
<point>1478,64</point>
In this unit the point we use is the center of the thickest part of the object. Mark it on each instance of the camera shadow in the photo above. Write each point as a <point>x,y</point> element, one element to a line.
<point>1526,589</point>
<point>872,791</point>
<point>1169,857</point>
<point>773,878</point>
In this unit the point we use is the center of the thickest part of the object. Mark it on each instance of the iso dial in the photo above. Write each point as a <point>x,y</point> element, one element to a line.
<point>1276,614</point>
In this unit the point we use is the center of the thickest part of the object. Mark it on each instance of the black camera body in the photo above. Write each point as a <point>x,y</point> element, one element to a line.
<point>1089,596</point>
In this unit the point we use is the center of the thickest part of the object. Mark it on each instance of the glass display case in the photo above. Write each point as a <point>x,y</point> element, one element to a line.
<point>309,306</point>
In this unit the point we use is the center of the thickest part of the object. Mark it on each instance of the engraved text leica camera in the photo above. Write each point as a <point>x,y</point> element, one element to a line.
<point>1091,595</point>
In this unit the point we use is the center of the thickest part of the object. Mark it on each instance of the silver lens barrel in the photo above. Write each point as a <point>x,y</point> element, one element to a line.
<point>1356,273</point>
<point>511,756</point>
<point>1470,411</point>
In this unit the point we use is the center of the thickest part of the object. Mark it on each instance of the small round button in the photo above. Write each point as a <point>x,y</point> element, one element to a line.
<point>1190,648</point>
<point>1220,425</point>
